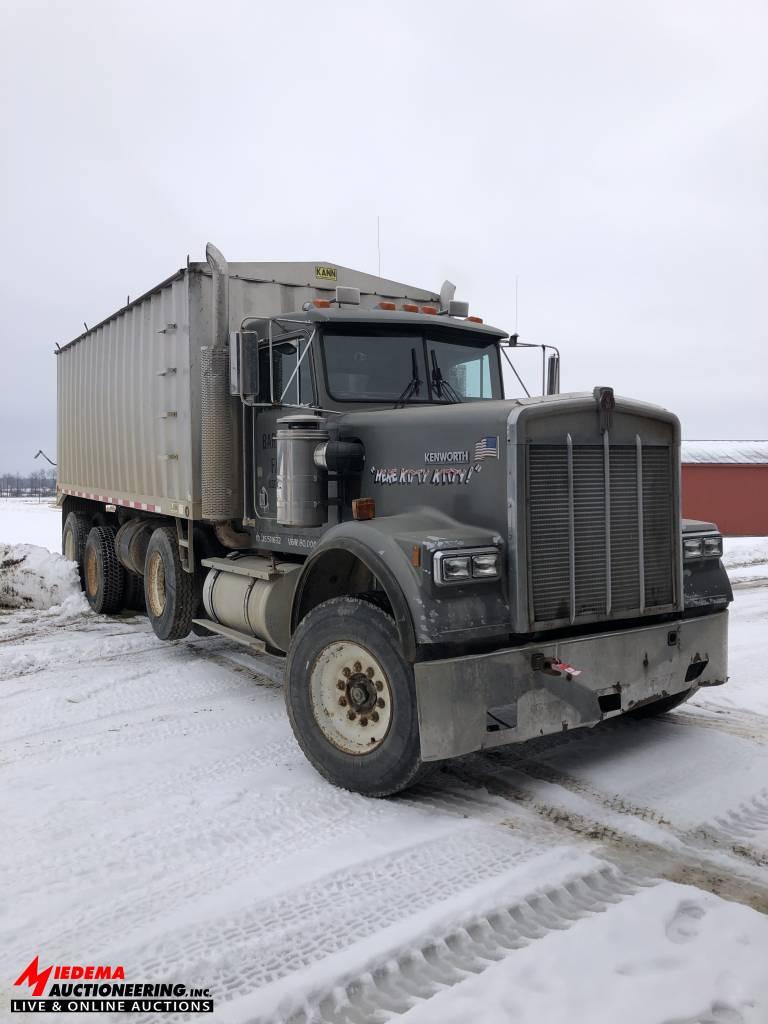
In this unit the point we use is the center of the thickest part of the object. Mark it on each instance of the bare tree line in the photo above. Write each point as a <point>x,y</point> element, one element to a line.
<point>40,483</point>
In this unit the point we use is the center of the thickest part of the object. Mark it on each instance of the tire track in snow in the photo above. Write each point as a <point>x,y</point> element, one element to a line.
<point>394,983</point>
<point>688,862</point>
<point>715,836</point>
<point>747,818</point>
<point>239,953</point>
<point>202,857</point>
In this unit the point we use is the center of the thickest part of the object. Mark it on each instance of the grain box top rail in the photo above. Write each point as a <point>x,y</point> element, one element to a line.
<point>320,276</point>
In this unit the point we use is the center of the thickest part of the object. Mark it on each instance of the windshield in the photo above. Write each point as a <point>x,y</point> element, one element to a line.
<point>432,365</point>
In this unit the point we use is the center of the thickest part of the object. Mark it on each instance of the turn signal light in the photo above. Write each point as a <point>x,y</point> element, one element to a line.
<point>387,305</point>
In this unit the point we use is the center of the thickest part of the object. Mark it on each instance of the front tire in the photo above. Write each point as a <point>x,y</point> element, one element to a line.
<point>168,590</point>
<point>351,700</point>
<point>104,576</point>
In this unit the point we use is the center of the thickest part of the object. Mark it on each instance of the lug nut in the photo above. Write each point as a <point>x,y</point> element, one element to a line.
<point>346,673</point>
<point>379,684</point>
<point>357,667</point>
<point>380,703</point>
<point>351,715</point>
<point>375,716</point>
<point>341,684</point>
<point>369,672</point>
<point>343,701</point>
<point>363,721</point>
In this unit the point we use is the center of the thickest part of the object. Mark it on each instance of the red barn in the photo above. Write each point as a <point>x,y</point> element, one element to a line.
<point>726,482</point>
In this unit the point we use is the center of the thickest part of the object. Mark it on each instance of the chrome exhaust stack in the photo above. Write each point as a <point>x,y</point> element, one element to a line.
<point>219,491</point>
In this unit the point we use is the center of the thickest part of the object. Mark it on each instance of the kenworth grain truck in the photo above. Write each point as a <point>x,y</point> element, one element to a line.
<point>315,461</point>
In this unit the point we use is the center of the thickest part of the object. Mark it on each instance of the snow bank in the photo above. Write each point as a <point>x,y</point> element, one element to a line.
<point>746,558</point>
<point>32,577</point>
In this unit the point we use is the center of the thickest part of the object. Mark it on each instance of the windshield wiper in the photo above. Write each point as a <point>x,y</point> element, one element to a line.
<point>441,384</point>
<point>413,385</point>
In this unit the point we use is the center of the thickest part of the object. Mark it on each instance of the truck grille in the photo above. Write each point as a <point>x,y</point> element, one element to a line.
<point>601,521</point>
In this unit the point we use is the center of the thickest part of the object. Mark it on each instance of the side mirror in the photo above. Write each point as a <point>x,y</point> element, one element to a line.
<point>553,375</point>
<point>243,363</point>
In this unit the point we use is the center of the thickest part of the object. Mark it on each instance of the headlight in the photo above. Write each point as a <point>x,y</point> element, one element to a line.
<point>713,545</point>
<point>692,547</point>
<point>456,569</point>
<point>465,566</point>
<point>707,545</point>
<point>485,566</point>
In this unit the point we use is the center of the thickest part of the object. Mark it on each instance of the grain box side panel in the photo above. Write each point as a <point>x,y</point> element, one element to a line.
<point>125,428</point>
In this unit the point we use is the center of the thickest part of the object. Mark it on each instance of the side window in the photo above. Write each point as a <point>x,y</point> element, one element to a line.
<point>285,356</point>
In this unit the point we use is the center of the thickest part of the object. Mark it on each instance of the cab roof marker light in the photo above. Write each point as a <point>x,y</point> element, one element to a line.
<point>432,310</point>
<point>410,307</point>
<point>387,305</point>
<point>474,319</point>
<point>321,303</point>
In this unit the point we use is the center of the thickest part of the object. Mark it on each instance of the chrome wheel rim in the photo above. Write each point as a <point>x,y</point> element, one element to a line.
<point>351,697</point>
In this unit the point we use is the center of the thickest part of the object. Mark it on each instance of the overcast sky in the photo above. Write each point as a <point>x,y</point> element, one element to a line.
<point>613,155</point>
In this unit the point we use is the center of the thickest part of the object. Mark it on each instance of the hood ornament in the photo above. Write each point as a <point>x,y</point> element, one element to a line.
<point>606,403</point>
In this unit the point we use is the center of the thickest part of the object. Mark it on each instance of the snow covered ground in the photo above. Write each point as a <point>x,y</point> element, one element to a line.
<point>157,813</point>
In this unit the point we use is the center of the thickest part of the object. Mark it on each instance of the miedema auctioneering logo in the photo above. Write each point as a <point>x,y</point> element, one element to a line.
<point>102,988</point>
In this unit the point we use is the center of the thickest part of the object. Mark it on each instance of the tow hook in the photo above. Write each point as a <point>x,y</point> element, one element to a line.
<point>553,666</point>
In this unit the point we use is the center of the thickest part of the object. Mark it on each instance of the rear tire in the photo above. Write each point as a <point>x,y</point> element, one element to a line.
<point>351,700</point>
<point>661,707</point>
<point>104,575</point>
<point>77,526</point>
<point>168,590</point>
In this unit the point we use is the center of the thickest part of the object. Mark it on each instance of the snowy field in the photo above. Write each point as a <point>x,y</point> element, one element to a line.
<point>158,814</point>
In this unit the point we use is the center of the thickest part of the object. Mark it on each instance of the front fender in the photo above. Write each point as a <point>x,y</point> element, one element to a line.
<point>423,613</point>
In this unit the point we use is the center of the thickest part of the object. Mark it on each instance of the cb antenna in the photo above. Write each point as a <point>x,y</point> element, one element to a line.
<point>516,283</point>
<point>378,240</point>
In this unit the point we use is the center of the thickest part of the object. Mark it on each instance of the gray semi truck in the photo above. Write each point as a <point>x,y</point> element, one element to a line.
<point>319,462</point>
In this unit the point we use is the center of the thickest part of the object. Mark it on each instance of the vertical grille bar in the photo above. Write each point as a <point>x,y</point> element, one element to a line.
<point>607,472</point>
<point>571,532</point>
<point>640,534</point>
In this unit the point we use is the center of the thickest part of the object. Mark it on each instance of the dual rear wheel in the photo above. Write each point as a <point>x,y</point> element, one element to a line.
<point>167,591</point>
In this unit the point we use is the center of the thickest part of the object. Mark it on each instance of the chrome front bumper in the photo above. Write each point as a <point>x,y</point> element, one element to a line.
<point>511,695</point>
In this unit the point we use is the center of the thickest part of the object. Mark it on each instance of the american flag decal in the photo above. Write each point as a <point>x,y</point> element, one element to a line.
<point>487,448</point>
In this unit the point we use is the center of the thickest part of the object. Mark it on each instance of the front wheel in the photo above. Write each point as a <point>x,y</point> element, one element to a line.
<point>351,700</point>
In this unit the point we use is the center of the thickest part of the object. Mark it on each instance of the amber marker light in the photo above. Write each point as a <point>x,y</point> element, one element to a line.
<point>363,508</point>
